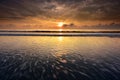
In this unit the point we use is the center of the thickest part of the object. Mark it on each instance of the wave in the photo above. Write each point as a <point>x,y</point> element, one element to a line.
<point>59,33</point>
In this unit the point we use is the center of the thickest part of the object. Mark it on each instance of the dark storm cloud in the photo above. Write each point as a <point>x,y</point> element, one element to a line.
<point>62,9</point>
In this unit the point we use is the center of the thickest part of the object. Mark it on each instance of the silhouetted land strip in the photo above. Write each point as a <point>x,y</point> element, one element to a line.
<point>66,31</point>
<point>60,33</point>
<point>72,34</point>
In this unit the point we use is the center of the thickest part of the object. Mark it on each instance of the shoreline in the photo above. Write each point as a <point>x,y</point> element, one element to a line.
<point>62,34</point>
<point>60,31</point>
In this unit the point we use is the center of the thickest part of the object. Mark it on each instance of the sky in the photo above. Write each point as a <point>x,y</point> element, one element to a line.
<point>49,13</point>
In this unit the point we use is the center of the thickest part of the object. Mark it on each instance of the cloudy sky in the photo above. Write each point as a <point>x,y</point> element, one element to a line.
<point>51,12</point>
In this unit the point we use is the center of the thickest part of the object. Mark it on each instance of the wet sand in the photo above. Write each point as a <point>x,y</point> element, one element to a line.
<point>59,58</point>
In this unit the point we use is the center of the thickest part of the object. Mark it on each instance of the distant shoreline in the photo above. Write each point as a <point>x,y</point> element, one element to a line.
<point>100,31</point>
<point>63,34</point>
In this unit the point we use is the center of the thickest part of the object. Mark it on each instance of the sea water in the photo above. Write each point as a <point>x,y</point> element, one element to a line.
<point>59,58</point>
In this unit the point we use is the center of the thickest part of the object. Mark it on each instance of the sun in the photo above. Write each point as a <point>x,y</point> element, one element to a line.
<point>60,24</point>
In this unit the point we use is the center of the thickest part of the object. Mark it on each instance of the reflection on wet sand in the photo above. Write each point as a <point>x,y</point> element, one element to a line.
<point>59,58</point>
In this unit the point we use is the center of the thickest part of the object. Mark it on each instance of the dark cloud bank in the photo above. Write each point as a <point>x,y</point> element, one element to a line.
<point>79,10</point>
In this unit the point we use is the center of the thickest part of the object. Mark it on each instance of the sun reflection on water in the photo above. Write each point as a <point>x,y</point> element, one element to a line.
<point>60,39</point>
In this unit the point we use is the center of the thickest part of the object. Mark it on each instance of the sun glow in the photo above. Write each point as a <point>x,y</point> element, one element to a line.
<point>60,30</point>
<point>60,24</point>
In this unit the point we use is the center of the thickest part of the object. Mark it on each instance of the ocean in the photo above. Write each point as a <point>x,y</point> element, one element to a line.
<point>92,56</point>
